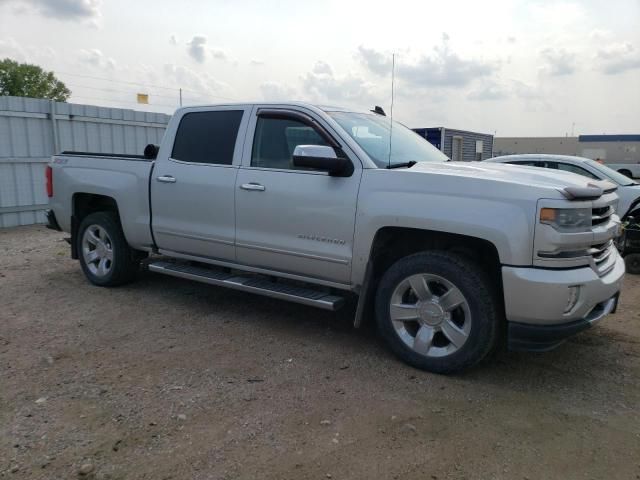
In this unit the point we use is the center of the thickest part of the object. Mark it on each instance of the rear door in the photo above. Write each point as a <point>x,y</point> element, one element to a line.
<point>192,186</point>
<point>297,221</point>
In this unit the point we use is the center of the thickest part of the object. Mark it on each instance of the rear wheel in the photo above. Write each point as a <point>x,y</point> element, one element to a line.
<point>437,311</point>
<point>105,255</point>
<point>625,172</point>
<point>632,262</point>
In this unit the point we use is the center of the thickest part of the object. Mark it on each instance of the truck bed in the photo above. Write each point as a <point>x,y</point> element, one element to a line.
<point>124,178</point>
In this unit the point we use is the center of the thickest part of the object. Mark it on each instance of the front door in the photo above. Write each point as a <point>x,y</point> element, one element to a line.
<point>193,185</point>
<point>288,219</point>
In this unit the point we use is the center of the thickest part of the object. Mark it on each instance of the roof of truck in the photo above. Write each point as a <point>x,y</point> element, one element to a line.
<point>326,108</point>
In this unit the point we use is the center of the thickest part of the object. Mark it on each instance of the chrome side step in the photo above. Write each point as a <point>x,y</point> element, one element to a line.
<point>251,284</point>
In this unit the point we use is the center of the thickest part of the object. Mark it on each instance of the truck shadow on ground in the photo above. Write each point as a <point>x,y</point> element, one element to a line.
<point>587,356</point>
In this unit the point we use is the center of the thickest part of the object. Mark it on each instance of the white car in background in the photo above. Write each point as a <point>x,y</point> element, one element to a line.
<point>628,189</point>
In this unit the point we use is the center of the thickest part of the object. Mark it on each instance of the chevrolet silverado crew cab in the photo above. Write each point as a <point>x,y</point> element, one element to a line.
<point>308,204</point>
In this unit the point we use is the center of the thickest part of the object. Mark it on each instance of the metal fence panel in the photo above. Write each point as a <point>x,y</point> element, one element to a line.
<point>32,130</point>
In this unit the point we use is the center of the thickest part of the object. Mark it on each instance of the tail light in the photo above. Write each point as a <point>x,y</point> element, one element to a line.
<point>49,176</point>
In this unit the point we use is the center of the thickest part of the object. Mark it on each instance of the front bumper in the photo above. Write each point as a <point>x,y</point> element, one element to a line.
<point>539,296</point>
<point>536,300</point>
<point>540,338</point>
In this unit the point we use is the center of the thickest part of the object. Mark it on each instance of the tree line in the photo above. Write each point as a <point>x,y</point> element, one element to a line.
<point>27,80</point>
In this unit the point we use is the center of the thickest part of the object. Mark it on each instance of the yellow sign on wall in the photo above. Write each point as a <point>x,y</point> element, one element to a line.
<point>143,98</point>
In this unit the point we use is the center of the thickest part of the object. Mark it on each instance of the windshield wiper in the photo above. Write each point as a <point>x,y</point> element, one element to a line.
<point>402,165</point>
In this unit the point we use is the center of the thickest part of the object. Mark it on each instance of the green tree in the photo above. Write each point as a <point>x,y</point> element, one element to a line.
<point>25,80</point>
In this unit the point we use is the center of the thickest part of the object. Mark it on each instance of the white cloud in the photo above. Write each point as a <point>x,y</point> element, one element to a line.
<point>557,14</point>
<point>599,34</point>
<point>97,59</point>
<point>173,40</point>
<point>197,48</point>
<point>256,63</point>
<point>321,85</point>
<point>559,61</point>
<point>44,56</point>
<point>617,58</point>
<point>377,62</point>
<point>272,91</point>
<point>62,9</point>
<point>525,91</point>
<point>219,54</point>
<point>202,84</point>
<point>488,91</point>
<point>11,49</point>
<point>533,98</point>
<point>443,68</point>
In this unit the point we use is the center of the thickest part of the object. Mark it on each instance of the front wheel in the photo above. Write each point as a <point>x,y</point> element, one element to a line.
<point>626,173</point>
<point>437,311</point>
<point>105,256</point>
<point>632,262</point>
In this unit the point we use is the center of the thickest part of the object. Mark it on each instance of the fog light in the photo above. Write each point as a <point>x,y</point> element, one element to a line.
<point>572,300</point>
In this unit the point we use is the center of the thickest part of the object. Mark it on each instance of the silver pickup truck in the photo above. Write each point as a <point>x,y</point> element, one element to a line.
<point>310,204</point>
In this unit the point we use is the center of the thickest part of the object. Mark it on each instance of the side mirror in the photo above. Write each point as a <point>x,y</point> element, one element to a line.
<point>320,157</point>
<point>151,151</point>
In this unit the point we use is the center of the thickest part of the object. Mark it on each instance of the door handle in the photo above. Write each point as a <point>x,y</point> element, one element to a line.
<point>252,186</point>
<point>166,179</point>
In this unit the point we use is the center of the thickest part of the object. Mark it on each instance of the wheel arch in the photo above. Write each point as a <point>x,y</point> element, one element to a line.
<point>83,204</point>
<point>392,243</point>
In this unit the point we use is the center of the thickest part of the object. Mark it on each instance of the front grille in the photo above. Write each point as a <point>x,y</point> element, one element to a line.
<point>601,255</point>
<point>600,215</point>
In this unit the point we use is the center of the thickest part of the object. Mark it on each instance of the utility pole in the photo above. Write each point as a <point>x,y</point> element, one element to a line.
<point>180,97</point>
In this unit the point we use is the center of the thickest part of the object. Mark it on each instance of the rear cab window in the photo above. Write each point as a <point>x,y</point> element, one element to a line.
<point>207,137</point>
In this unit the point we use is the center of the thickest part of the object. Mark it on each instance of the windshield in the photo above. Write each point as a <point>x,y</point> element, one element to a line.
<point>372,131</point>
<point>617,177</point>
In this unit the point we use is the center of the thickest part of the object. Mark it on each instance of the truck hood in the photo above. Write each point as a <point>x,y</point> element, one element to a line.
<point>512,174</point>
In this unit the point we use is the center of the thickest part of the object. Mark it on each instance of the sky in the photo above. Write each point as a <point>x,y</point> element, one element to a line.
<point>505,67</point>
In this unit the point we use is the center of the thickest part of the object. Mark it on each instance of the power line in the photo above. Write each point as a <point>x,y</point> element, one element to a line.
<point>111,100</point>
<point>115,90</point>
<point>130,92</point>
<point>142,84</point>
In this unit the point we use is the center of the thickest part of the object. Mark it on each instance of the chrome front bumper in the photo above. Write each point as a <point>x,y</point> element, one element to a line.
<point>539,296</point>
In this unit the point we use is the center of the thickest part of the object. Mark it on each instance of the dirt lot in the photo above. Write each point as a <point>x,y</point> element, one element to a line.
<point>168,379</point>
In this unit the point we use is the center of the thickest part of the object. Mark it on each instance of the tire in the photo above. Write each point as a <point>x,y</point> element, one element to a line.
<point>625,172</point>
<point>114,262</point>
<point>430,342</point>
<point>632,262</point>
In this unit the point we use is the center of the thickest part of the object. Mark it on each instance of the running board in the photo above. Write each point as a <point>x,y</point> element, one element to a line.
<point>251,284</point>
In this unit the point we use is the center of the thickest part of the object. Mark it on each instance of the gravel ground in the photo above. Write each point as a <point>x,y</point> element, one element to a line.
<point>169,379</point>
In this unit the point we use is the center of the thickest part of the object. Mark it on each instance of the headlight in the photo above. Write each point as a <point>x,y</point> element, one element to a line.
<point>567,219</point>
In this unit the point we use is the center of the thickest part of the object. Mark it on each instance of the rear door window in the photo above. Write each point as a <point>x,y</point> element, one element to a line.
<point>207,137</point>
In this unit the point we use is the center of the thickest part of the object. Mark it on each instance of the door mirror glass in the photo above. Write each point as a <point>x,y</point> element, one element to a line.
<point>319,157</point>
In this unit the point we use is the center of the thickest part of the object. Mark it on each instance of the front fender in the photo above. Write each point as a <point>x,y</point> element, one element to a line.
<point>505,221</point>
